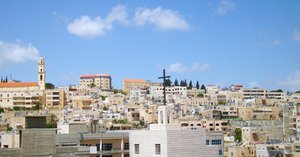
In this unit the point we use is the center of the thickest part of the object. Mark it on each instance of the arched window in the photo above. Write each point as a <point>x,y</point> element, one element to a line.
<point>169,116</point>
<point>41,77</point>
<point>161,117</point>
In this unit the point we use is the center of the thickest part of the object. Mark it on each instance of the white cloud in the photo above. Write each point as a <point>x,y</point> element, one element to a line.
<point>277,41</point>
<point>87,27</point>
<point>292,81</point>
<point>199,67</point>
<point>162,19</point>
<point>224,7</point>
<point>176,67</point>
<point>13,53</point>
<point>254,84</point>
<point>296,35</point>
<point>195,68</point>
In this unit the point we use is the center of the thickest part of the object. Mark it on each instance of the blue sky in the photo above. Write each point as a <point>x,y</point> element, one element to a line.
<point>256,43</point>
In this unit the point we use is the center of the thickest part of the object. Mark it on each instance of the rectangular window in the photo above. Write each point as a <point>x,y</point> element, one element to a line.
<point>106,147</point>
<point>136,148</point>
<point>207,142</point>
<point>216,142</point>
<point>126,146</point>
<point>157,148</point>
<point>98,147</point>
<point>220,152</point>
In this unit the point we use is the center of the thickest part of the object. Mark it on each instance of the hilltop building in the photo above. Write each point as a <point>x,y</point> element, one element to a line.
<point>102,81</point>
<point>131,84</point>
<point>24,94</point>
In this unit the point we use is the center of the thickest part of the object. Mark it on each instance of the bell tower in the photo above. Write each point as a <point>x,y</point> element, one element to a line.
<point>41,73</point>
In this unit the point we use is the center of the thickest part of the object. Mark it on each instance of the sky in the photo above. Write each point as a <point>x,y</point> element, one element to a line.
<point>251,42</point>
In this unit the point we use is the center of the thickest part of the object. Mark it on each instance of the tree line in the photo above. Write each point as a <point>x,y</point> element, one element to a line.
<point>183,83</point>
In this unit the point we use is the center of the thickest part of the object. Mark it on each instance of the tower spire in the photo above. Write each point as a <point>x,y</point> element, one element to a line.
<point>41,73</point>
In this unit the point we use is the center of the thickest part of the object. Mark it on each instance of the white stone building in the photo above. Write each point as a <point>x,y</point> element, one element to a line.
<point>170,140</point>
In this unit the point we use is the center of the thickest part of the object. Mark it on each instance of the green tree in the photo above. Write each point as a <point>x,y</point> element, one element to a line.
<point>37,106</point>
<point>1,110</point>
<point>278,90</point>
<point>221,102</point>
<point>181,83</point>
<point>52,123</point>
<point>103,97</point>
<point>92,85</point>
<point>197,85</point>
<point>168,82</point>
<point>190,85</point>
<point>105,108</point>
<point>176,82</point>
<point>8,128</point>
<point>238,134</point>
<point>200,95</point>
<point>15,108</point>
<point>123,92</point>
<point>115,91</point>
<point>49,86</point>
<point>203,88</point>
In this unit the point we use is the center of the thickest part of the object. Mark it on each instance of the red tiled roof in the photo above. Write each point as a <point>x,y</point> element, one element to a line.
<point>134,80</point>
<point>94,75</point>
<point>18,84</point>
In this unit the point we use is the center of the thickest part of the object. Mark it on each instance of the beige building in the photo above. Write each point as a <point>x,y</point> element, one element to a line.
<point>23,94</point>
<point>263,113</point>
<point>252,93</point>
<point>208,125</point>
<point>130,84</point>
<point>82,102</point>
<point>55,98</point>
<point>102,81</point>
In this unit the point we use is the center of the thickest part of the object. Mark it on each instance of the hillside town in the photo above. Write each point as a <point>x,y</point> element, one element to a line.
<point>145,119</point>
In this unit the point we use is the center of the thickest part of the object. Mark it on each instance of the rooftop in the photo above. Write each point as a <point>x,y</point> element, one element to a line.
<point>18,84</point>
<point>94,75</point>
<point>134,80</point>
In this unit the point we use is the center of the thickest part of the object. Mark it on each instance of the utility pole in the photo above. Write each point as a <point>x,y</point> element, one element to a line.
<point>164,77</point>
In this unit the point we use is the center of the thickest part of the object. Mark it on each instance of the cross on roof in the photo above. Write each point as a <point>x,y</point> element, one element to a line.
<point>164,77</point>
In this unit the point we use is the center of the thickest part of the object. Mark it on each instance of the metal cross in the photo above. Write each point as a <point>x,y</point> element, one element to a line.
<point>164,84</point>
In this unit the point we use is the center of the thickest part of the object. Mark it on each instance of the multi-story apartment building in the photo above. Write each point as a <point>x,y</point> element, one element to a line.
<point>23,94</point>
<point>157,92</point>
<point>55,98</point>
<point>102,81</point>
<point>209,125</point>
<point>130,84</point>
<point>252,93</point>
<point>263,113</point>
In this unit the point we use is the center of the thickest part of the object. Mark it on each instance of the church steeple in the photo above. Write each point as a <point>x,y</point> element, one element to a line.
<point>41,73</point>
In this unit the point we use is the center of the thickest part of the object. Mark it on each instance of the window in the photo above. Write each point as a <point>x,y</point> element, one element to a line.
<point>220,152</point>
<point>136,148</point>
<point>216,142</point>
<point>126,146</point>
<point>207,142</point>
<point>157,148</point>
<point>98,147</point>
<point>106,146</point>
